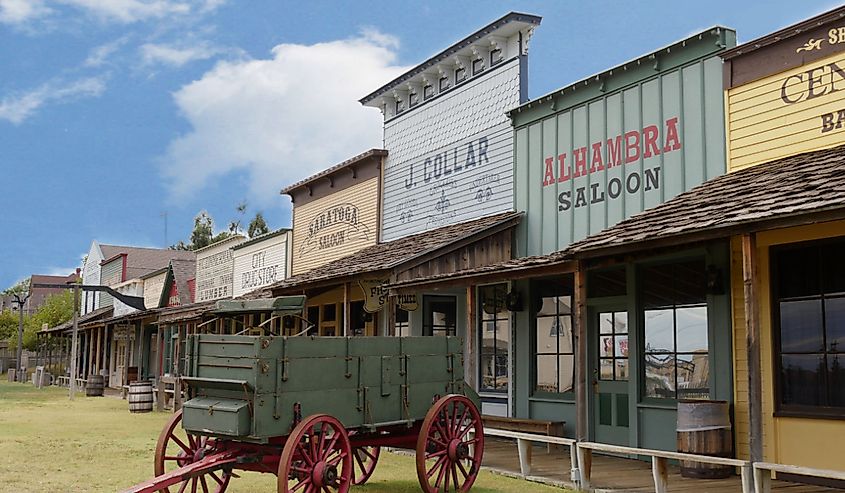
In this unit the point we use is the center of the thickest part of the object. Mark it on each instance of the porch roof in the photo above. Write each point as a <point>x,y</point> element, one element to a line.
<point>96,315</point>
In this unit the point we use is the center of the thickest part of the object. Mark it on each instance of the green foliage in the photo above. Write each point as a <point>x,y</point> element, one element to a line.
<point>203,232</point>
<point>56,310</point>
<point>258,226</point>
<point>21,286</point>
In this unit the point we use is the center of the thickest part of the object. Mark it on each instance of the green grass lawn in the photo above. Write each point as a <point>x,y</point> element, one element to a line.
<point>49,444</point>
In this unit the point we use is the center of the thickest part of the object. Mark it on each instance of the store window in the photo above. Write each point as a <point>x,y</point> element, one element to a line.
<point>554,355</point>
<point>403,323</point>
<point>809,321</point>
<point>494,332</point>
<point>676,351</point>
<point>440,314</point>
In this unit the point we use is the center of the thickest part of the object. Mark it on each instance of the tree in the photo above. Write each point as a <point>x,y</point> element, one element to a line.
<point>203,233</point>
<point>235,226</point>
<point>258,226</point>
<point>56,310</point>
<point>8,325</point>
<point>21,286</point>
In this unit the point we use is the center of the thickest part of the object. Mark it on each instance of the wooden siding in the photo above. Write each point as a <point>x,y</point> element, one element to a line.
<point>153,286</point>
<point>493,249</point>
<point>763,127</point>
<point>313,247</point>
<point>214,270</point>
<point>110,274</point>
<point>796,441</point>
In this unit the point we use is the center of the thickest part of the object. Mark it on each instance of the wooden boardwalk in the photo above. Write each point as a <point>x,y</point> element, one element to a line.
<point>615,474</point>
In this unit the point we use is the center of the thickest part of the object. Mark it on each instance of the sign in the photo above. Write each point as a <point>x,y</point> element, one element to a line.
<point>332,227</point>
<point>124,332</point>
<point>375,297</point>
<point>795,111</point>
<point>260,264</point>
<point>214,271</point>
<point>451,160</point>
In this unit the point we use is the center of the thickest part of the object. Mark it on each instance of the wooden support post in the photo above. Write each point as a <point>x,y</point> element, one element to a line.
<point>125,377</point>
<point>139,356</point>
<point>585,466</point>
<point>660,474</point>
<point>524,448</point>
<point>752,327</point>
<point>346,324</point>
<point>574,474</point>
<point>471,358</point>
<point>390,329</point>
<point>762,481</point>
<point>746,474</point>
<point>581,371</point>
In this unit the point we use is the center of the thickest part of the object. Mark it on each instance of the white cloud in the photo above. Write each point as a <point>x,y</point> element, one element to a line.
<point>282,118</point>
<point>19,107</point>
<point>176,56</point>
<point>128,11</point>
<point>100,54</point>
<point>21,11</point>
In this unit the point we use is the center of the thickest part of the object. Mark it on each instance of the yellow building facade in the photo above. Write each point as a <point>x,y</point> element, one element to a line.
<point>785,95</point>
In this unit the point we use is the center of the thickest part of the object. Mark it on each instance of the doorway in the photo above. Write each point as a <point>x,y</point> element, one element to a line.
<point>609,360</point>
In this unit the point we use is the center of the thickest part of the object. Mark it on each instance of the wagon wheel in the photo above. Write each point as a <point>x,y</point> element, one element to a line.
<point>364,463</point>
<point>177,448</point>
<point>450,446</point>
<point>316,458</point>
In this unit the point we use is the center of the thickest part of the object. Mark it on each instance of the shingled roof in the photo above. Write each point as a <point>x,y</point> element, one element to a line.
<point>812,183</point>
<point>385,256</point>
<point>141,261</point>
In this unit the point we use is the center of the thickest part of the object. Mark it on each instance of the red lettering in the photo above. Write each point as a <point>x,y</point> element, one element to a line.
<point>673,142</point>
<point>564,169</point>
<point>580,156</point>
<point>632,143</point>
<point>596,163</point>
<point>549,176</point>
<point>614,152</point>
<point>650,141</point>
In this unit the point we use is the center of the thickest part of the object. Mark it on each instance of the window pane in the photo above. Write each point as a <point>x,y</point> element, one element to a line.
<point>622,369</point>
<point>621,346</point>
<point>692,329</point>
<point>546,337</point>
<point>659,331</point>
<point>565,331</point>
<point>606,346</point>
<point>801,326</point>
<point>606,369</point>
<point>555,305</point>
<point>679,283</point>
<point>547,373</point>
<point>836,379</point>
<point>798,272</point>
<point>833,268</point>
<point>801,379</point>
<point>660,376</point>
<point>620,320</point>
<point>693,376</point>
<point>605,323</point>
<point>834,317</point>
<point>566,366</point>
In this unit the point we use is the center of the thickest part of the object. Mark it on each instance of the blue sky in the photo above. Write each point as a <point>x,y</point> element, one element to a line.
<point>113,112</point>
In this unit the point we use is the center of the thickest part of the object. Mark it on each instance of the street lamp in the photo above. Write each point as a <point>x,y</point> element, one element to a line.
<point>20,300</point>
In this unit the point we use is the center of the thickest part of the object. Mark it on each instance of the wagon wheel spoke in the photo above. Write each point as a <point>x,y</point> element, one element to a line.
<point>304,454</point>
<point>204,484</point>
<point>463,470</point>
<point>454,475</point>
<point>435,467</point>
<point>184,485</point>
<point>188,450</point>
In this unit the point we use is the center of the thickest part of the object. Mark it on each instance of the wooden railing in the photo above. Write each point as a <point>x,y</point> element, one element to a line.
<point>64,381</point>
<point>763,474</point>
<point>524,441</point>
<point>659,469</point>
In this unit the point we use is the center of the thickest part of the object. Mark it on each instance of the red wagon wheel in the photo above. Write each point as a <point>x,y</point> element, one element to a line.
<point>316,458</point>
<point>450,446</point>
<point>177,448</point>
<point>364,463</point>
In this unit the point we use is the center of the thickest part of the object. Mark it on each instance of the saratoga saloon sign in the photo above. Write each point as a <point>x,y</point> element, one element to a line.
<point>332,227</point>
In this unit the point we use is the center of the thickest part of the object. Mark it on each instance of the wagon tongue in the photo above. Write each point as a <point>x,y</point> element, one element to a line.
<point>207,464</point>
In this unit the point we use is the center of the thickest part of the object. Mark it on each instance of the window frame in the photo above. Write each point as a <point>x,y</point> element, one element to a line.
<point>428,328</point>
<point>537,295</point>
<point>482,319</point>
<point>797,410</point>
<point>428,92</point>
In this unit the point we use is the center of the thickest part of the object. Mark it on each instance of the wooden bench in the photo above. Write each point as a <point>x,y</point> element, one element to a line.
<point>522,425</point>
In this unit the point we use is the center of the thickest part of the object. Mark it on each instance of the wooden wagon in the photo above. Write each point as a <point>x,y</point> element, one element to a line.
<point>316,411</point>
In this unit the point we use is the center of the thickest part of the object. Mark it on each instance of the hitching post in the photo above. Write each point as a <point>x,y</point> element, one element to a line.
<point>73,350</point>
<point>20,302</point>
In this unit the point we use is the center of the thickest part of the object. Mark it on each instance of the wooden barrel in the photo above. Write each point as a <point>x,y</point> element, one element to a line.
<point>94,386</point>
<point>140,396</point>
<point>704,428</point>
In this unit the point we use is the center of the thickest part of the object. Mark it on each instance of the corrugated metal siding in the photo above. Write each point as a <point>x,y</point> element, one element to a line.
<point>434,175</point>
<point>568,205</point>
<point>153,287</point>
<point>260,264</point>
<point>763,127</point>
<point>110,274</point>
<point>317,244</point>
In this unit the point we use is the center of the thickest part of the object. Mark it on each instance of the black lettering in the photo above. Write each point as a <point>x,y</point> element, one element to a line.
<point>632,188</point>
<point>652,178</point>
<point>614,187</point>
<point>482,151</point>
<point>835,69</point>
<point>409,181</point>
<point>827,122</point>
<point>814,82</point>
<point>438,166</point>
<point>470,160</point>
<point>580,197</point>
<point>564,201</point>
<point>595,199</point>
<point>446,169</point>
<point>426,174</point>
<point>455,163</point>
<point>783,95</point>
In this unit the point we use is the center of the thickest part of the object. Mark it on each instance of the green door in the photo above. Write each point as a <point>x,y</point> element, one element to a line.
<point>609,361</point>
